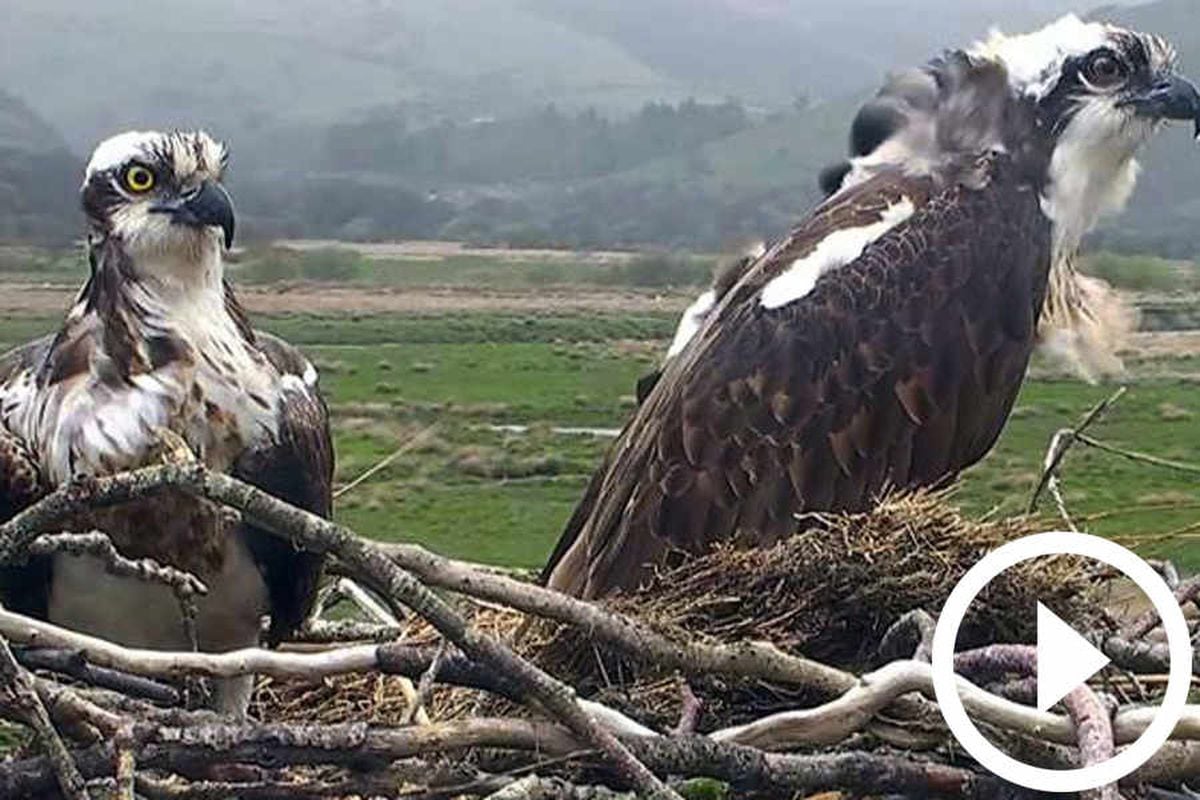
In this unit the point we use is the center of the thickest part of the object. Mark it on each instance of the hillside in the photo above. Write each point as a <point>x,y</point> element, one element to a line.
<point>254,70</point>
<point>251,68</point>
<point>38,176</point>
<point>771,51</point>
<point>534,122</point>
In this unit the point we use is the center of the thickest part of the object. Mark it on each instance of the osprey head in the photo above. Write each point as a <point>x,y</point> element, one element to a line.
<point>1098,93</point>
<point>160,194</point>
<point>1073,102</point>
<point>1118,84</point>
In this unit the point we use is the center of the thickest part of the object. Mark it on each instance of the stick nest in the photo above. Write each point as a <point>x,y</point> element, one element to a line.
<point>829,593</point>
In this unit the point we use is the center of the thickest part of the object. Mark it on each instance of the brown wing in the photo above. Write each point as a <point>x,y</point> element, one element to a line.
<point>899,369</point>
<point>24,587</point>
<point>298,468</point>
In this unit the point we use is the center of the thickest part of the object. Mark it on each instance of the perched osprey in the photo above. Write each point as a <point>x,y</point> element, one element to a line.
<point>156,355</point>
<point>883,342</point>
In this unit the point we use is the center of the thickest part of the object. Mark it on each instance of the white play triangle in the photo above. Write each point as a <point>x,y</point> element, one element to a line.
<point>1064,659</point>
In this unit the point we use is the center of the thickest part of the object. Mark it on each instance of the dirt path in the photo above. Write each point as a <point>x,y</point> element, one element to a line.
<point>39,299</point>
<point>1165,344</point>
<point>427,250</point>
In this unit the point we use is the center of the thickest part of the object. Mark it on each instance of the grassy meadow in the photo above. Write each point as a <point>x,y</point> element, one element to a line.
<point>471,487</point>
<point>477,401</point>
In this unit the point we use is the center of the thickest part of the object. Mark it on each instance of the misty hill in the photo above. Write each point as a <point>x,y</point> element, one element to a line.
<point>38,177</point>
<point>243,68</point>
<point>567,122</point>
<point>247,68</point>
<point>769,51</point>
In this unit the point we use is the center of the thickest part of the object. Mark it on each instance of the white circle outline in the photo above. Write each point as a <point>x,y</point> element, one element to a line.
<point>945,682</point>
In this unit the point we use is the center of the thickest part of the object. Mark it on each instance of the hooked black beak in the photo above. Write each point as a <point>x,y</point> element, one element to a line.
<point>208,205</point>
<point>1170,98</point>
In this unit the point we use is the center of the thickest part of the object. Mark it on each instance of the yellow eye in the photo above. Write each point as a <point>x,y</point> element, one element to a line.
<point>139,179</point>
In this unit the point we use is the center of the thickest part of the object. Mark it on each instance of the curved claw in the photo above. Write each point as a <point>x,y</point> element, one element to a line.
<point>173,448</point>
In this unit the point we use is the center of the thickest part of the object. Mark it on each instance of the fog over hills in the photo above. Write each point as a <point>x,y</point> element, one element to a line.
<point>241,66</point>
<point>508,120</point>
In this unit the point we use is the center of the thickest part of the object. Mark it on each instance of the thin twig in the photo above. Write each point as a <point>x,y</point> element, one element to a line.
<point>1142,458</point>
<point>690,708</point>
<point>425,687</point>
<point>1060,502</point>
<point>361,598</point>
<point>1062,441</point>
<point>416,441</point>
<point>97,545</point>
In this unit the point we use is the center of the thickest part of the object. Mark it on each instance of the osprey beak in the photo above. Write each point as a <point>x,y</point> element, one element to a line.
<point>208,205</point>
<point>1173,97</point>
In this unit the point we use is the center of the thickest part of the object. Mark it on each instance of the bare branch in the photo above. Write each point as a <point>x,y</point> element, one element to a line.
<point>425,688</point>
<point>1095,734</point>
<point>75,665</point>
<point>1185,592</point>
<point>99,546</point>
<point>1142,458</point>
<point>366,603</point>
<point>1061,443</point>
<point>690,709</point>
<point>536,788</point>
<point>29,709</point>
<point>311,532</point>
<point>192,749</point>
<point>373,785</point>
<point>911,636</point>
<point>342,632</point>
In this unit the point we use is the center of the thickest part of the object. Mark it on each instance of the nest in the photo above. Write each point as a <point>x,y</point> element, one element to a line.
<point>829,593</point>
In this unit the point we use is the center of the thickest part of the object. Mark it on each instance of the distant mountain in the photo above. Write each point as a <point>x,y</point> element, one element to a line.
<point>770,51</point>
<point>254,69</point>
<point>245,68</point>
<point>470,118</point>
<point>21,128</point>
<point>38,177</point>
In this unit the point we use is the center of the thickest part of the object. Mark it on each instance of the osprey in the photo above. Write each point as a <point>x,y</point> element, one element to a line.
<point>883,342</point>
<point>154,358</point>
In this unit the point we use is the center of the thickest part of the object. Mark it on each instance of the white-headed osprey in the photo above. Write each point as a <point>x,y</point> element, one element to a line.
<point>883,342</point>
<point>156,353</point>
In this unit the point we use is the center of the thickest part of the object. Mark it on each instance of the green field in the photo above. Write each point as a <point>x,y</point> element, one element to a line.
<point>469,490</point>
<point>444,386</point>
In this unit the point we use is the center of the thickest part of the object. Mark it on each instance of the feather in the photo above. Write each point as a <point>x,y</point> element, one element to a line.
<point>296,467</point>
<point>824,402</point>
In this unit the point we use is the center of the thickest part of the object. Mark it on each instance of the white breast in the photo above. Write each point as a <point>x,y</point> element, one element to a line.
<point>221,402</point>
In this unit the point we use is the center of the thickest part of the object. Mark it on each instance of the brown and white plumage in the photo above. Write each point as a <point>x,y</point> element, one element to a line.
<point>156,347</point>
<point>883,342</point>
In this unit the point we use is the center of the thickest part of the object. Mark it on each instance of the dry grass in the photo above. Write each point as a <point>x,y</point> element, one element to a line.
<point>829,593</point>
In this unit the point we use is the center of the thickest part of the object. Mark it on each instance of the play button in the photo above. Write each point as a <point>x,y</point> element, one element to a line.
<point>1064,659</point>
